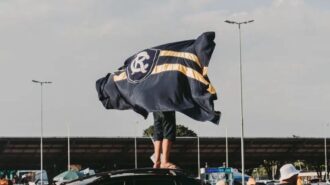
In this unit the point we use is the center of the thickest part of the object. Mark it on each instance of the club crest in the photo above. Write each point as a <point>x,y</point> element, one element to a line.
<point>141,65</point>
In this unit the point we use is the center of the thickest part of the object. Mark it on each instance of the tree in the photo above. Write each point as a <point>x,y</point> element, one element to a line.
<point>181,131</point>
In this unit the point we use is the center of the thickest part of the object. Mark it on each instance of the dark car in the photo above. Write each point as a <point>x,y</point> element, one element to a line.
<point>138,177</point>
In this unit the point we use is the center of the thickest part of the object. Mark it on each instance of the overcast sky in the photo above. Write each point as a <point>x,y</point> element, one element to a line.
<point>285,55</point>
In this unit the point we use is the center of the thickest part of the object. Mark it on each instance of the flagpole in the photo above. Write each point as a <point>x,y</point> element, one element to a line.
<point>241,90</point>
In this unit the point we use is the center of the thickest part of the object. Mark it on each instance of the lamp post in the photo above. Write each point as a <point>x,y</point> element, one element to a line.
<point>227,164</point>
<point>241,88</point>
<point>198,158</point>
<point>69,159</point>
<point>41,125</point>
<point>325,155</point>
<point>135,145</point>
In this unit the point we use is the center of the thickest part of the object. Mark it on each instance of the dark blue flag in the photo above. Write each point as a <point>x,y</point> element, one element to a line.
<point>170,77</point>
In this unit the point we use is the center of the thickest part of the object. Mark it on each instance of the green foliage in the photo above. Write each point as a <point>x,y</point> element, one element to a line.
<point>181,131</point>
<point>149,131</point>
<point>260,173</point>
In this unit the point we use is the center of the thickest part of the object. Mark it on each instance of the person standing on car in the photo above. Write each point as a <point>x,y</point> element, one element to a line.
<point>164,136</point>
<point>289,175</point>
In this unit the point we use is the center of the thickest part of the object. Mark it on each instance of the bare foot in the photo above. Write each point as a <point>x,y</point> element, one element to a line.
<point>156,164</point>
<point>168,165</point>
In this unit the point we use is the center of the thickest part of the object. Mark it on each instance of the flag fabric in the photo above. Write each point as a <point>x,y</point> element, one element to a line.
<point>170,77</point>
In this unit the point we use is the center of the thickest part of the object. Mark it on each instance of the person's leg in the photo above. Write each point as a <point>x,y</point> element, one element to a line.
<point>157,153</point>
<point>166,146</point>
<point>158,138</point>
<point>169,128</point>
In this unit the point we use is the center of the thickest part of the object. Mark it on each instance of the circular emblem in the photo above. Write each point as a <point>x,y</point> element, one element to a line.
<point>141,65</point>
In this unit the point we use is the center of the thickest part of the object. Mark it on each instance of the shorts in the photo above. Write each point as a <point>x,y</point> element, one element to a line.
<point>164,126</point>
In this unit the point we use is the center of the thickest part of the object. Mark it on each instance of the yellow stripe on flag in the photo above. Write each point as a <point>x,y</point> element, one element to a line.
<point>121,76</point>
<point>185,55</point>
<point>189,72</point>
<point>186,71</point>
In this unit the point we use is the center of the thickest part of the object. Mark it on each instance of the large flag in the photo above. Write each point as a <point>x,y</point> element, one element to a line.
<point>170,77</point>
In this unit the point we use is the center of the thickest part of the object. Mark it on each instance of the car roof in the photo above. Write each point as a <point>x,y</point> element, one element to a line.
<point>149,171</point>
<point>131,172</point>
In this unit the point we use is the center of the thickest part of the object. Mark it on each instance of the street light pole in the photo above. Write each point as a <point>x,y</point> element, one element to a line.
<point>227,164</point>
<point>41,126</point>
<point>325,155</point>
<point>135,145</point>
<point>198,158</point>
<point>69,160</point>
<point>241,86</point>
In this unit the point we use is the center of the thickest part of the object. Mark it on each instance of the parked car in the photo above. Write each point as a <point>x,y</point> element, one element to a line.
<point>318,182</point>
<point>147,176</point>
<point>31,177</point>
<point>38,178</point>
<point>70,175</point>
<point>67,176</point>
